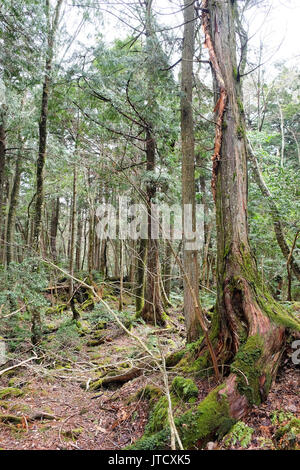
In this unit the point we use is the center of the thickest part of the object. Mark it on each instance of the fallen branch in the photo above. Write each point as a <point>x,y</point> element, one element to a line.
<point>19,364</point>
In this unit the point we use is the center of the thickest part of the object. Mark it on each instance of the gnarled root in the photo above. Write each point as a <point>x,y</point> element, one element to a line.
<point>250,311</point>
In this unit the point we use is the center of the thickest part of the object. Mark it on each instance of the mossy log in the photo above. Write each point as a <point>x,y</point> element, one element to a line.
<point>10,419</point>
<point>10,392</point>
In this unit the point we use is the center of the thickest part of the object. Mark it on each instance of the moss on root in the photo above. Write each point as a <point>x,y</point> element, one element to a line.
<point>248,369</point>
<point>208,419</point>
<point>173,359</point>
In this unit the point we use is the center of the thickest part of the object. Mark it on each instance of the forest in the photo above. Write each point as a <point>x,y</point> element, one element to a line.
<point>149,225</point>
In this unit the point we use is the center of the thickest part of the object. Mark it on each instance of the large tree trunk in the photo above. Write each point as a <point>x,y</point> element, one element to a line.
<point>247,315</point>
<point>190,257</point>
<point>251,323</point>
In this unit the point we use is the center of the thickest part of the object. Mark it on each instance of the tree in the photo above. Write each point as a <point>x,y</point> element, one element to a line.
<point>52,25</point>
<point>190,257</point>
<point>251,324</point>
<point>152,311</point>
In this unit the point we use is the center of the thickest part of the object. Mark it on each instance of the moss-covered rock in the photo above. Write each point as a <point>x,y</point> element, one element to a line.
<point>101,325</point>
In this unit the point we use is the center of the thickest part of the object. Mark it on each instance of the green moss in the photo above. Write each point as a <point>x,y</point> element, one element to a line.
<point>10,419</point>
<point>150,393</point>
<point>208,419</point>
<point>4,404</point>
<point>159,440</point>
<point>10,392</point>
<point>288,436</point>
<point>96,385</point>
<point>72,434</point>
<point>101,325</point>
<point>247,364</point>
<point>159,416</point>
<point>269,306</point>
<point>174,358</point>
<point>240,105</point>
<point>240,130</point>
<point>184,388</point>
<point>57,309</point>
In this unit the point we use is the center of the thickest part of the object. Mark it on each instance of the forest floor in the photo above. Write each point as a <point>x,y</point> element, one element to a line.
<point>56,408</point>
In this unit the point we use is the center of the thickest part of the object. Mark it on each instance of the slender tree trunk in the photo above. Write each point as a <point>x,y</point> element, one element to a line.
<point>91,239</point>
<point>40,166</point>
<point>168,268</point>
<point>276,216</point>
<point>152,311</point>
<point>288,267</point>
<point>76,314</point>
<point>2,170</point>
<point>78,241</point>
<point>190,257</point>
<point>54,227</point>
<point>14,197</point>
<point>121,275</point>
<point>140,276</point>
<point>282,136</point>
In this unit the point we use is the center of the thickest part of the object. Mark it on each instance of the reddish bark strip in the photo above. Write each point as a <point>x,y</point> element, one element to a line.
<point>222,101</point>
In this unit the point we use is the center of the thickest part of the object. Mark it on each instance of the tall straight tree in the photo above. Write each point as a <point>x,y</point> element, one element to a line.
<point>3,110</point>
<point>52,26</point>
<point>190,257</point>
<point>14,199</point>
<point>152,311</point>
